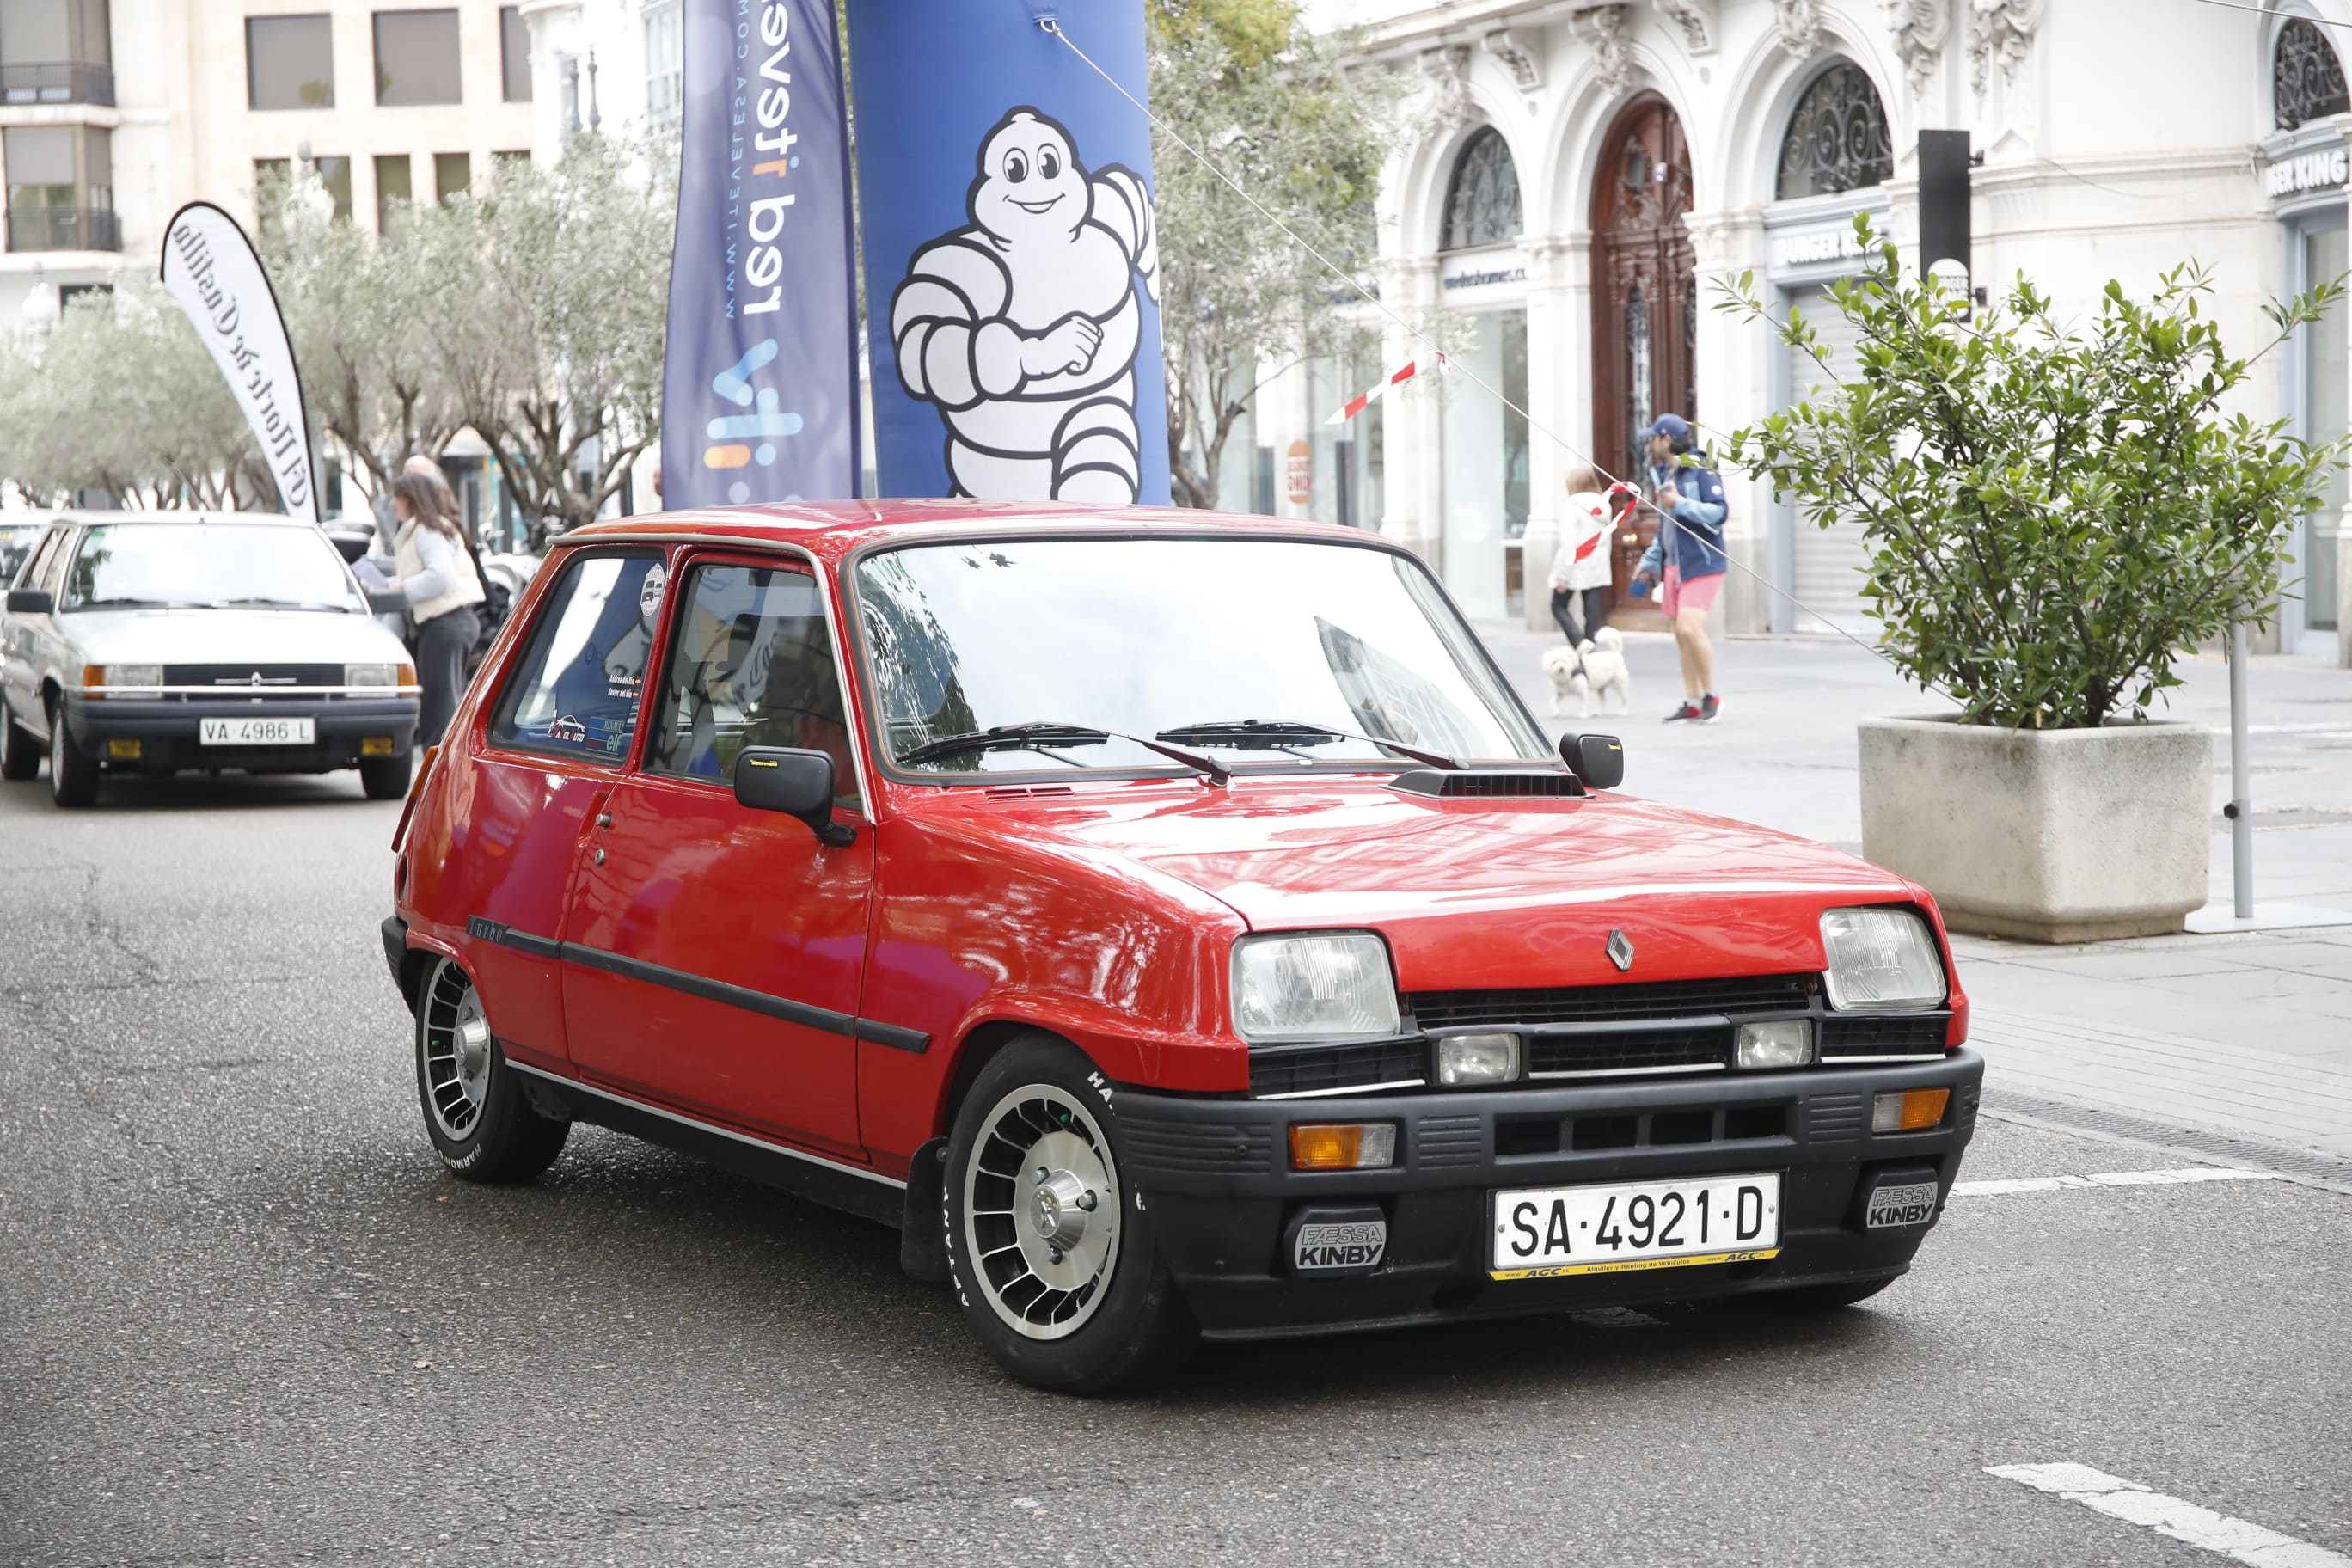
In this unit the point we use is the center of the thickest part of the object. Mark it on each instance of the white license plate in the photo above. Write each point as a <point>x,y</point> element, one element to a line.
<point>1541,1233</point>
<point>260,732</point>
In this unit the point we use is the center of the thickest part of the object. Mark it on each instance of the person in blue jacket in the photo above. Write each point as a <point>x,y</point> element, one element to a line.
<point>1687,558</point>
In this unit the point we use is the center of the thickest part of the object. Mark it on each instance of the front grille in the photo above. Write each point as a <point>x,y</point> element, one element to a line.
<point>1914,1035</point>
<point>1661,1129</point>
<point>1834,1118</point>
<point>1310,1069</point>
<point>236,680</point>
<point>1449,1140</point>
<point>1650,1050</point>
<point>1455,1010</point>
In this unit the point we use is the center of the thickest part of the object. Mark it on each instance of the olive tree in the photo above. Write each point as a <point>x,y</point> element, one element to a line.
<point>2051,510</point>
<point>1276,106</point>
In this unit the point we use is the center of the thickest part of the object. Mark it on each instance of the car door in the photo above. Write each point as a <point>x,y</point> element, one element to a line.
<point>537,772</point>
<point>713,953</point>
<point>20,643</point>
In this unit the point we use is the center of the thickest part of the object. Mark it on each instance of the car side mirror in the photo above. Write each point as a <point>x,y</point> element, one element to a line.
<point>30,601</point>
<point>794,782</point>
<point>387,601</point>
<point>1597,761</point>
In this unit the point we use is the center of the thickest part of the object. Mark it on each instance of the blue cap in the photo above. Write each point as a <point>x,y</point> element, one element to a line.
<point>1673,427</point>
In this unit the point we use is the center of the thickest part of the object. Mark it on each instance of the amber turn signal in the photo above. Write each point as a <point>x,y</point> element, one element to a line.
<point>1342,1146</point>
<point>1908,1111</point>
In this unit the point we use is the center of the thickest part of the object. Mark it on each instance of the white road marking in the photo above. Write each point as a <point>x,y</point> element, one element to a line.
<point>2108,1179</point>
<point>2199,1527</point>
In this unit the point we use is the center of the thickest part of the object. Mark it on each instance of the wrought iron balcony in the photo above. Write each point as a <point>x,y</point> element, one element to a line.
<point>64,229</point>
<point>56,81</point>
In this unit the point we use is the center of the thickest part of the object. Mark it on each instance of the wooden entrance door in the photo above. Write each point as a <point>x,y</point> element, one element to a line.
<point>1644,311</point>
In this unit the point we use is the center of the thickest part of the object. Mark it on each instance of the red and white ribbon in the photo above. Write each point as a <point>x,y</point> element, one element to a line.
<point>1358,404</point>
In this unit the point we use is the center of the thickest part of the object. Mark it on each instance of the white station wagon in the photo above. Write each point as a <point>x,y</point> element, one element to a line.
<point>154,642</point>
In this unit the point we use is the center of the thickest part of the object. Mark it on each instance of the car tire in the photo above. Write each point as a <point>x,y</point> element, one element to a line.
<point>386,778</point>
<point>73,773</point>
<point>477,1110</point>
<point>1033,1171</point>
<point>20,750</point>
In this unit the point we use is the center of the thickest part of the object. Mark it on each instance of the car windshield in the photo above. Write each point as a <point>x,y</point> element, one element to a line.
<point>1178,639</point>
<point>209,564</point>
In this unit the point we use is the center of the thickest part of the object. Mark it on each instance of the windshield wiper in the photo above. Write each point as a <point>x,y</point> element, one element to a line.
<point>1278,734</point>
<point>1037,735</point>
<point>273,604</point>
<point>134,604</point>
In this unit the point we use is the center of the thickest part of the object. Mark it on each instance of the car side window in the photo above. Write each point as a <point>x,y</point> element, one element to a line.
<point>53,575</point>
<point>43,553</point>
<point>750,664</point>
<point>580,683</point>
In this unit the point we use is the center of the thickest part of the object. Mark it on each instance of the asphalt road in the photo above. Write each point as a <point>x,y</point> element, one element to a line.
<point>246,1318</point>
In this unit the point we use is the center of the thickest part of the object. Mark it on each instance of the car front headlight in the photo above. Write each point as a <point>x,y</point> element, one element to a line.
<point>371,675</point>
<point>118,680</point>
<point>1881,958</point>
<point>1331,985</point>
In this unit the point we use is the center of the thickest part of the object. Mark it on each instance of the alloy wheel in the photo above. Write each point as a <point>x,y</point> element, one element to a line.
<point>1041,1212</point>
<point>456,1051</point>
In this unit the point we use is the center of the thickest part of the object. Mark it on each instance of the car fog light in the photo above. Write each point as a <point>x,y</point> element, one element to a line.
<point>1781,1043</point>
<point>1908,1111</point>
<point>1464,1060</point>
<point>1342,1146</point>
<point>375,745</point>
<point>123,750</point>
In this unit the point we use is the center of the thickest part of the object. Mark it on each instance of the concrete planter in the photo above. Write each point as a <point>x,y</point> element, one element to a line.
<point>2050,834</point>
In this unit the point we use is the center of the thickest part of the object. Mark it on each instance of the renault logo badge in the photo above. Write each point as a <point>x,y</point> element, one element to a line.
<point>1621,950</point>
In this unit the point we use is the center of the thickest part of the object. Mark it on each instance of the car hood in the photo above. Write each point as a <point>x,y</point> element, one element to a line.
<point>1474,893</point>
<point>228,636</point>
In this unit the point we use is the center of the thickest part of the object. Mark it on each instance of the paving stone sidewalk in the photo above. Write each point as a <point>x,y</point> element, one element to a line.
<point>2247,1034</point>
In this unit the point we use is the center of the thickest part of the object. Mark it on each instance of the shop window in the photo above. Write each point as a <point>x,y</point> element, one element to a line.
<point>2306,79</point>
<point>1482,202</point>
<point>514,54</point>
<point>1837,138</point>
<point>416,58</point>
<point>289,62</point>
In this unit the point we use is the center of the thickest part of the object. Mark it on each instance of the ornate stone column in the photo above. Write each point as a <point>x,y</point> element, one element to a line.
<point>1555,308</point>
<point>1734,361</point>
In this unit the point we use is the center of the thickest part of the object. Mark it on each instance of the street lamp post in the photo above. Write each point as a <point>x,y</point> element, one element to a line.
<point>2241,809</point>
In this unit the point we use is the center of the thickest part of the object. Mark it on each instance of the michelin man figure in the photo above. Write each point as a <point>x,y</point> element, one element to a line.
<point>1023,328</point>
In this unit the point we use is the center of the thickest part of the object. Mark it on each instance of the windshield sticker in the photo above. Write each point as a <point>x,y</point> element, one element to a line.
<point>568,727</point>
<point>649,592</point>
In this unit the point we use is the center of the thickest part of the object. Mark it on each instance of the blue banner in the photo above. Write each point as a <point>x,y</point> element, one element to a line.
<point>1012,258</point>
<point>759,382</point>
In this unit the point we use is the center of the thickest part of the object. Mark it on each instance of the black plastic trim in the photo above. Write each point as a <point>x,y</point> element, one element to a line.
<point>805,1013</point>
<point>394,932</point>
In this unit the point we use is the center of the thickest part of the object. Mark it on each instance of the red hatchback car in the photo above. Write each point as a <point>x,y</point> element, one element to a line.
<point>1176,925</point>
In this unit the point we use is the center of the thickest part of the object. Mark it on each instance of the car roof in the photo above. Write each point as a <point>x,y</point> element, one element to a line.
<point>197,515</point>
<point>831,530</point>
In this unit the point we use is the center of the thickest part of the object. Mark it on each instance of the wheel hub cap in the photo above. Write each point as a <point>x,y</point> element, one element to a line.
<point>1058,1207</point>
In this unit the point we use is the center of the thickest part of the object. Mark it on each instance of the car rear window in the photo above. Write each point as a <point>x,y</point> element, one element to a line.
<point>580,685</point>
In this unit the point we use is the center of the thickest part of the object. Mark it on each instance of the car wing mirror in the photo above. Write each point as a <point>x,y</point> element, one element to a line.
<point>387,601</point>
<point>30,601</point>
<point>794,782</point>
<point>1597,761</point>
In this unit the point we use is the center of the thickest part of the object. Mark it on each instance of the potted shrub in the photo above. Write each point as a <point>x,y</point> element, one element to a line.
<point>2052,513</point>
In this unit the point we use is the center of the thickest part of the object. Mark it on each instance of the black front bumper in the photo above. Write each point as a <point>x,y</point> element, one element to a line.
<point>169,734</point>
<point>1215,1177</point>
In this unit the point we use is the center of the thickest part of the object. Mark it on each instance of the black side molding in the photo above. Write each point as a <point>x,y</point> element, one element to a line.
<point>394,932</point>
<point>805,1014</point>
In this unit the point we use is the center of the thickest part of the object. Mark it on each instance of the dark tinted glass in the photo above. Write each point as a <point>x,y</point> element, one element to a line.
<point>580,681</point>
<point>416,58</point>
<point>289,62</point>
<point>753,666</point>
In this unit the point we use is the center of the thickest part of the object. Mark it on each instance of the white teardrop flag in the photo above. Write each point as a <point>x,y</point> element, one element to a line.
<point>210,268</point>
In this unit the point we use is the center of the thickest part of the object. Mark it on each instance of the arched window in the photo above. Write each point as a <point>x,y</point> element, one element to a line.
<point>2306,79</point>
<point>1837,138</point>
<point>1482,204</point>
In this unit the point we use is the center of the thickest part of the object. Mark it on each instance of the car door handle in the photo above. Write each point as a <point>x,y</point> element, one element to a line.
<point>604,819</point>
<point>599,857</point>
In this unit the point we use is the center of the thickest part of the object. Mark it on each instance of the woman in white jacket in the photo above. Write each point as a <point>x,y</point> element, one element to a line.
<point>438,575</point>
<point>1580,570</point>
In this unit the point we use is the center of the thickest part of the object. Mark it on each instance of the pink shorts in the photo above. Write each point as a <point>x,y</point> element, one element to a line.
<point>1679,592</point>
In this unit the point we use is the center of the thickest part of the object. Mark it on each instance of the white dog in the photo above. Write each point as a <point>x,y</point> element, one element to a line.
<point>1590,670</point>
